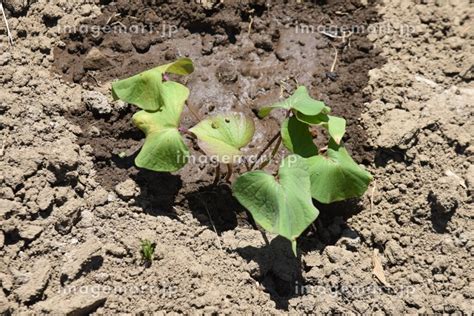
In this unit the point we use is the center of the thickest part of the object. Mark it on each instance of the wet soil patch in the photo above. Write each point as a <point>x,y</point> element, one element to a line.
<point>246,55</point>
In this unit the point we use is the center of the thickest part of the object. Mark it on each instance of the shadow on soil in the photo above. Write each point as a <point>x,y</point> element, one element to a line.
<point>158,192</point>
<point>280,271</point>
<point>215,206</point>
<point>439,217</point>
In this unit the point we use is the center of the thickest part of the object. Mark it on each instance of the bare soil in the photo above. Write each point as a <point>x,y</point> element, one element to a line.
<point>73,208</point>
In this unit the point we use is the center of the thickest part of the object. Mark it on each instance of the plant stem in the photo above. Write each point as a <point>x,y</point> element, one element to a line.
<point>196,116</point>
<point>230,170</point>
<point>274,138</point>
<point>247,165</point>
<point>264,236</point>
<point>275,150</point>
<point>218,174</point>
<point>185,131</point>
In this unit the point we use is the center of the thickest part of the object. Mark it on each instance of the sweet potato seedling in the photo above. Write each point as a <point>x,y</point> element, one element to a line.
<point>147,250</point>
<point>281,204</point>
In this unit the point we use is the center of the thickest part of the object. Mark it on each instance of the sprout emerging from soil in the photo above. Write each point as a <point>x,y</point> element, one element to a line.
<point>281,204</point>
<point>147,250</point>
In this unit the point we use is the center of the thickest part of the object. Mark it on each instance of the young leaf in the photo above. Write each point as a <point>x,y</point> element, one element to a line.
<point>336,125</point>
<point>182,66</point>
<point>299,101</point>
<point>297,138</point>
<point>164,149</point>
<point>147,250</point>
<point>223,135</point>
<point>336,177</point>
<point>147,89</point>
<point>282,206</point>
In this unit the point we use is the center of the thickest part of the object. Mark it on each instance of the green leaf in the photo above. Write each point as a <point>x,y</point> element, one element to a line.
<point>336,126</point>
<point>299,101</point>
<point>281,206</point>
<point>222,135</point>
<point>147,89</point>
<point>336,177</point>
<point>297,138</point>
<point>318,119</point>
<point>182,66</point>
<point>164,148</point>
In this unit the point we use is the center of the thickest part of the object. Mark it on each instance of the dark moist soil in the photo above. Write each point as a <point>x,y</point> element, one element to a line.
<point>245,54</point>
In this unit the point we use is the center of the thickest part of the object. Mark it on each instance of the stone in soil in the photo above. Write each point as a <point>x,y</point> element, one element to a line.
<point>30,232</point>
<point>71,304</point>
<point>81,260</point>
<point>96,60</point>
<point>37,282</point>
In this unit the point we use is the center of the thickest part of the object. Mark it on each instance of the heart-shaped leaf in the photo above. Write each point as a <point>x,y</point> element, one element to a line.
<point>147,89</point>
<point>222,136</point>
<point>299,101</point>
<point>336,126</point>
<point>164,148</point>
<point>297,138</point>
<point>282,206</point>
<point>336,177</point>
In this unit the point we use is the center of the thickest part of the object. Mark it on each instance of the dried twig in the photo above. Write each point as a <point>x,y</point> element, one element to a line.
<point>340,13</point>
<point>378,269</point>
<point>10,38</point>
<point>2,149</point>
<point>251,21</point>
<point>111,17</point>
<point>344,36</point>
<point>283,86</point>
<point>333,67</point>
<point>372,196</point>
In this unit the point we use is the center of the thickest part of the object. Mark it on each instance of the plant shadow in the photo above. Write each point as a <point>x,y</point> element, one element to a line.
<point>216,207</point>
<point>158,192</point>
<point>384,156</point>
<point>330,225</point>
<point>279,270</point>
<point>440,217</point>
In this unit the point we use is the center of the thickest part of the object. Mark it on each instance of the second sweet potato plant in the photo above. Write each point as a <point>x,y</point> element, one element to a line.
<point>281,204</point>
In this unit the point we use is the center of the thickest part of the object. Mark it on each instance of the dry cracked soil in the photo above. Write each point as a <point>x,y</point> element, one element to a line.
<point>74,209</point>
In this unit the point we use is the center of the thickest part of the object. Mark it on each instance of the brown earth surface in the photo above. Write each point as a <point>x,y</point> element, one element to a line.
<point>73,208</point>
